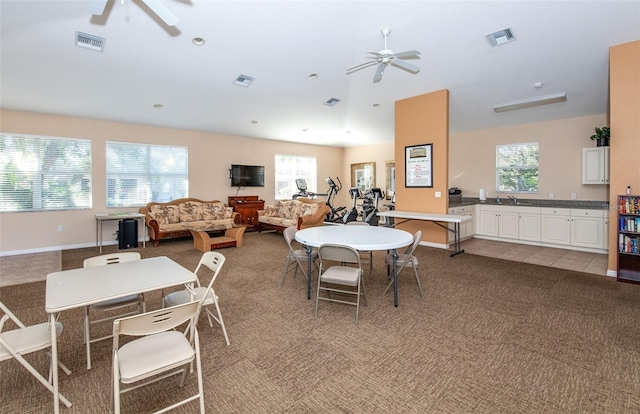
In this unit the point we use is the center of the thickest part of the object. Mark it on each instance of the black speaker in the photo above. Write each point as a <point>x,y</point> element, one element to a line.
<point>128,234</point>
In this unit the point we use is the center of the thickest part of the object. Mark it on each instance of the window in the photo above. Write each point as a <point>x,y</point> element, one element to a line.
<point>140,173</point>
<point>517,168</point>
<point>288,169</point>
<point>44,173</point>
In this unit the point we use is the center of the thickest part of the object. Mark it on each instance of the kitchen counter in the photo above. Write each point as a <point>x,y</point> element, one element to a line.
<point>588,205</point>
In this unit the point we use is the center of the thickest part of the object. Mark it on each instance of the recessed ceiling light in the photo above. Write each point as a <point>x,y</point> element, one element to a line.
<point>305,129</point>
<point>537,85</point>
<point>377,105</point>
<point>158,106</point>
<point>198,41</point>
<point>254,122</point>
<point>313,76</point>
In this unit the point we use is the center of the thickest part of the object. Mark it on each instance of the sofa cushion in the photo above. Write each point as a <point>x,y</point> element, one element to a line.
<point>307,209</point>
<point>216,211</point>
<point>165,214</point>
<point>190,211</point>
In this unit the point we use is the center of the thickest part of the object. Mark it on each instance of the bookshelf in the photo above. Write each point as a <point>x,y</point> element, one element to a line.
<point>629,238</point>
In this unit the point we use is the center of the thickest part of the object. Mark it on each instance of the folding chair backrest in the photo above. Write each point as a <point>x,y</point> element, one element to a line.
<point>111,258</point>
<point>289,235</point>
<point>339,253</point>
<point>214,261</point>
<point>417,238</point>
<point>155,321</point>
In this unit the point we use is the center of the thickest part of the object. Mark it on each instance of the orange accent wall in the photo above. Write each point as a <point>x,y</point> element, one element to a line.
<point>424,119</point>
<point>624,165</point>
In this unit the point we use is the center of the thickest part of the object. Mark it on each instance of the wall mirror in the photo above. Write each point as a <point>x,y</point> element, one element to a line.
<point>390,179</point>
<point>363,175</point>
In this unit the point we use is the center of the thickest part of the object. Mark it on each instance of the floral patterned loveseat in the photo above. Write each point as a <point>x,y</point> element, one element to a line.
<point>301,213</point>
<point>176,218</point>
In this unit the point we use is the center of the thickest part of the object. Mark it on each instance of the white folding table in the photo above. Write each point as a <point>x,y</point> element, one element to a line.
<point>437,219</point>
<point>360,238</point>
<point>76,288</point>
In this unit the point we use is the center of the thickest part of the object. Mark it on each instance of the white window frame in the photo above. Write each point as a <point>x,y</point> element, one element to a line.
<point>41,173</point>
<point>288,168</point>
<point>519,162</point>
<point>135,176</point>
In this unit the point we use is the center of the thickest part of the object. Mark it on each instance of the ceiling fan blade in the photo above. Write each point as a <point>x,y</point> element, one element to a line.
<point>405,65</point>
<point>96,7</point>
<point>378,54</point>
<point>408,53</point>
<point>165,14</point>
<point>379,72</point>
<point>360,66</point>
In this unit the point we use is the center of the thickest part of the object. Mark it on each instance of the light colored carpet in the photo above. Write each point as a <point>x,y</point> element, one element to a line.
<point>27,268</point>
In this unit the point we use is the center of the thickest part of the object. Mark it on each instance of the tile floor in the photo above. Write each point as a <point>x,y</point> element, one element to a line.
<point>545,256</point>
<point>26,268</point>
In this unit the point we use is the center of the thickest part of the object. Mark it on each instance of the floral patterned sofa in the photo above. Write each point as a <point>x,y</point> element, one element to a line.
<point>301,213</point>
<point>178,217</point>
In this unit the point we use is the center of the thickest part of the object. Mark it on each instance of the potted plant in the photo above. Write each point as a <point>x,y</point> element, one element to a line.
<point>602,136</point>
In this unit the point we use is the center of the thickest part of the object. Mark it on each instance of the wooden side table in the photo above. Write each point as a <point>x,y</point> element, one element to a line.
<point>247,207</point>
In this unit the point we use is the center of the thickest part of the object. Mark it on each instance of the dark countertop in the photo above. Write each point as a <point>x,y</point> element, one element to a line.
<point>589,205</point>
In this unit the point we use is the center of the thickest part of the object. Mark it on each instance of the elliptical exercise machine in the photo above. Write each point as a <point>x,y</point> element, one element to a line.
<point>352,214</point>
<point>370,206</point>
<point>333,216</point>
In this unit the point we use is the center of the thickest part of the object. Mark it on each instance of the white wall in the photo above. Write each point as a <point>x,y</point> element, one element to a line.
<point>471,167</point>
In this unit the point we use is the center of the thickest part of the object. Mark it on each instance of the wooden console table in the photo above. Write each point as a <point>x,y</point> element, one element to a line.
<point>247,207</point>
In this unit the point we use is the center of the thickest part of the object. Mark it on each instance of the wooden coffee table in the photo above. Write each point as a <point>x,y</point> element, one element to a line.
<point>233,237</point>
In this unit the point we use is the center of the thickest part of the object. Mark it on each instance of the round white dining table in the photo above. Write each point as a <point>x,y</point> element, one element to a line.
<point>360,238</point>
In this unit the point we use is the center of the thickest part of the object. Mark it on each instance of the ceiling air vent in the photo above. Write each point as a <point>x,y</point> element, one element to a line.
<point>500,37</point>
<point>243,80</point>
<point>91,42</point>
<point>332,102</point>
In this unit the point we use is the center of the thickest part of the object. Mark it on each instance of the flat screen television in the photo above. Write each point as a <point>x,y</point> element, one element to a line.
<point>247,175</point>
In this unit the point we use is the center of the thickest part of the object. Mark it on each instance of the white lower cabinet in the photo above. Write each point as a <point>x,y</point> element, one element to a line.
<point>555,225</point>
<point>467,228</point>
<point>583,228</point>
<point>587,229</point>
<point>529,226</point>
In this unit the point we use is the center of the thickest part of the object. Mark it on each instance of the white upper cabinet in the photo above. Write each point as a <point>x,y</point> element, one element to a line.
<point>595,165</point>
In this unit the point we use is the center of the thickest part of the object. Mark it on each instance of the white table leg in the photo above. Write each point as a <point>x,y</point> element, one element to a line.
<point>54,362</point>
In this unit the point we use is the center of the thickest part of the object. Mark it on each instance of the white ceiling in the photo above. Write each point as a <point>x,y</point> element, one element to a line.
<point>563,44</point>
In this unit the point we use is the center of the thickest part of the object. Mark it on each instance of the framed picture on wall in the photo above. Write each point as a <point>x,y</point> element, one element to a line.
<point>418,160</point>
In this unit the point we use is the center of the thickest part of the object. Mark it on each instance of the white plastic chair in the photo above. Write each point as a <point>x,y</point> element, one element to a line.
<point>334,271</point>
<point>110,305</point>
<point>27,339</point>
<point>214,261</point>
<point>406,259</point>
<point>160,350</point>
<point>296,257</point>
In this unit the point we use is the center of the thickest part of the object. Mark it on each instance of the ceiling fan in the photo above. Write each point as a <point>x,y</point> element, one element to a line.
<point>96,7</point>
<point>386,57</point>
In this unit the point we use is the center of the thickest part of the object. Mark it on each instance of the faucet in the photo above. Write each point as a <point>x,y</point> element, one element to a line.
<point>497,198</point>
<point>515,200</point>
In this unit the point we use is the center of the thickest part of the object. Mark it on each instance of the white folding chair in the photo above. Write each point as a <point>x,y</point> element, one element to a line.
<point>334,271</point>
<point>159,353</point>
<point>27,339</point>
<point>214,261</point>
<point>367,255</point>
<point>406,259</point>
<point>110,305</point>
<point>296,258</point>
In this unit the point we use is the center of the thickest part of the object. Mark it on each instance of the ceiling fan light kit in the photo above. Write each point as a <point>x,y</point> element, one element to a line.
<point>386,57</point>
<point>528,103</point>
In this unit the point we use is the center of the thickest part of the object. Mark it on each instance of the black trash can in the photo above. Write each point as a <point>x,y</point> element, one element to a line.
<point>128,234</point>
